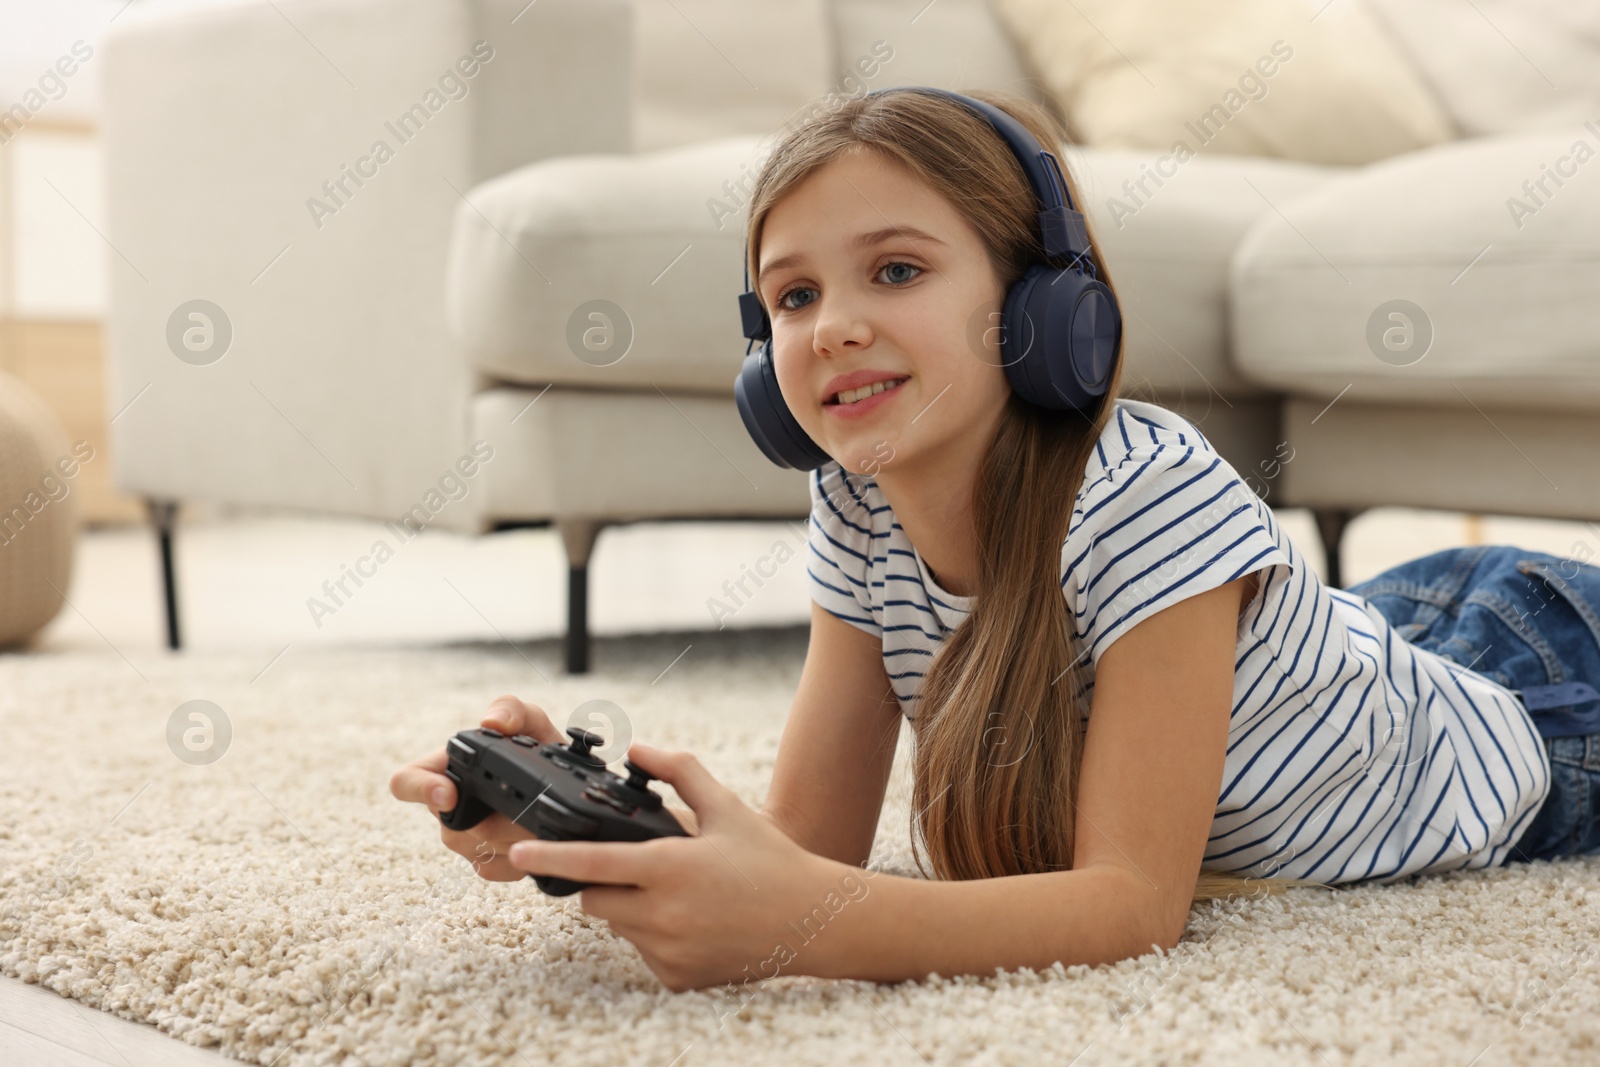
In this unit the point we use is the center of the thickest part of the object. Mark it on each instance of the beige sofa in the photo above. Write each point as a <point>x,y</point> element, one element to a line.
<point>549,264</point>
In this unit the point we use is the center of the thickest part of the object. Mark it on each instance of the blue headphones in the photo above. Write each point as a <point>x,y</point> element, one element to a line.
<point>1060,326</point>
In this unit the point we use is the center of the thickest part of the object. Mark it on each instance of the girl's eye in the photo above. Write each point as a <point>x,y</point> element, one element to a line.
<point>784,296</point>
<point>903,279</point>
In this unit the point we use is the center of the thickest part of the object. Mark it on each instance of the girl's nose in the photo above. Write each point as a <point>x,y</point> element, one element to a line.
<point>840,328</point>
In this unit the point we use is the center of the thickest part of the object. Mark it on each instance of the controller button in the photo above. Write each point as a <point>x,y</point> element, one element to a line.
<point>565,765</point>
<point>564,819</point>
<point>490,731</point>
<point>461,750</point>
<point>525,741</point>
<point>602,796</point>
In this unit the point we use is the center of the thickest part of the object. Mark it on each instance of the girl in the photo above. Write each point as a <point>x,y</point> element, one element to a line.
<point>1115,664</point>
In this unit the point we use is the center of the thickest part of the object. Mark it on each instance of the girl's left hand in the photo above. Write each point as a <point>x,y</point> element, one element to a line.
<point>701,910</point>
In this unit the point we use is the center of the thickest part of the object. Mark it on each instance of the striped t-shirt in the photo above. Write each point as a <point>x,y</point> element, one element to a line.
<point>1352,755</point>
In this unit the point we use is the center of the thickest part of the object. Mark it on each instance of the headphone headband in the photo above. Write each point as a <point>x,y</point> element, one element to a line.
<point>1060,224</point>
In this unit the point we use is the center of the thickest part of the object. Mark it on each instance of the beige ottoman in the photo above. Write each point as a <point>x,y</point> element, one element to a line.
<point>38,511</point>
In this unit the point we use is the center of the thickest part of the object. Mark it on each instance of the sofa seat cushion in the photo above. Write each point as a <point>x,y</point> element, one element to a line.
<point>569,452</point>
<point>622,272</point>
<point>1493,242</point>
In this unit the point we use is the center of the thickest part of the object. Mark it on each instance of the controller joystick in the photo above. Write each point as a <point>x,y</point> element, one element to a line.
<point>638,777</point>
<point>637,787</point>
<point>581,744</point>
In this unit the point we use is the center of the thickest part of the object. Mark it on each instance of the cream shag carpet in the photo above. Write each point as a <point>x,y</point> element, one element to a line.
<point>278,904</point>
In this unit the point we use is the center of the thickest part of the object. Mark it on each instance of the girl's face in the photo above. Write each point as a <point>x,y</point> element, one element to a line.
<point>868,273</point>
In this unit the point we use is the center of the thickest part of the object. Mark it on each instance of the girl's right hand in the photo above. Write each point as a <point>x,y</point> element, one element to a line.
<point>424,782</point>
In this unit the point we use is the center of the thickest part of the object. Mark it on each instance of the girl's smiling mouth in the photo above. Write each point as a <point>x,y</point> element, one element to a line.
<point>854,403</point>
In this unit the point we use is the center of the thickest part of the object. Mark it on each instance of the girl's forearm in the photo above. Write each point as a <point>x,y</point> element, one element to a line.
<point>906,928</point>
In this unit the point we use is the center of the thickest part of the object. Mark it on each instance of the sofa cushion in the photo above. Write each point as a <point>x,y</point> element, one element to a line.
<point>1246,77</point>
<point>574,452</point>
<point>717,68</point>
<point>660,238</point>
<point>1504,66</point>
<point>1500,265</point>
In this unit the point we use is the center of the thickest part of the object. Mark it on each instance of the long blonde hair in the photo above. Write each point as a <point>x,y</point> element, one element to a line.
<point>1009,672</point>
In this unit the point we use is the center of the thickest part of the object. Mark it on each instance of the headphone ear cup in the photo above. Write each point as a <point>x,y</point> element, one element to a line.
<point>767,417</point>
<point>1096,338</point>
<point>1059,344</point>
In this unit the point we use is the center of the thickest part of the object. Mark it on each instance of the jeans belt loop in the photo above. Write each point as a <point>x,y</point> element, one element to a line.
<point>1543,702</point>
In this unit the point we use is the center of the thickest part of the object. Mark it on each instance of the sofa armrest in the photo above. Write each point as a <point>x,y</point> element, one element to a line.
<point>298,164</point>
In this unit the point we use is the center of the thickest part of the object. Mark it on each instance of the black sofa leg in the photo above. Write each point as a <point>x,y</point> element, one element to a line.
<point>163,517</point>
<point>579,536</point>
<point>1331,524</point>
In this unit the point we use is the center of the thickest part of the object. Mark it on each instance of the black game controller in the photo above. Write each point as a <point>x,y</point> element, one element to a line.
<point>561,793</point>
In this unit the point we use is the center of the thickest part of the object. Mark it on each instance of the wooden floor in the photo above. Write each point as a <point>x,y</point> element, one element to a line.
<point>40,1029</point>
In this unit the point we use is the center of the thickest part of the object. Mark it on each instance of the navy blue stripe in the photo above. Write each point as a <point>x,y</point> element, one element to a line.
<point>1154,426</point>
<point>1403,816</point>
<point>931,638</point>
<point>1270,832</point>
<point>887,604</point>
<point>1487,774</point>
<point>851,618</point>
<point>828,500</point>
<point>836,543</point>
<point>1296,719</point>
<point>1106,567</point>
<point>1204,571</point>
<point>1132,481</point>
<point>848,576</point>
<point>818,554</point>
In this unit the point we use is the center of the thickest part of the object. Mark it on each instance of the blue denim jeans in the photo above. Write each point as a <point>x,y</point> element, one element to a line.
<point>1529,621</point>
